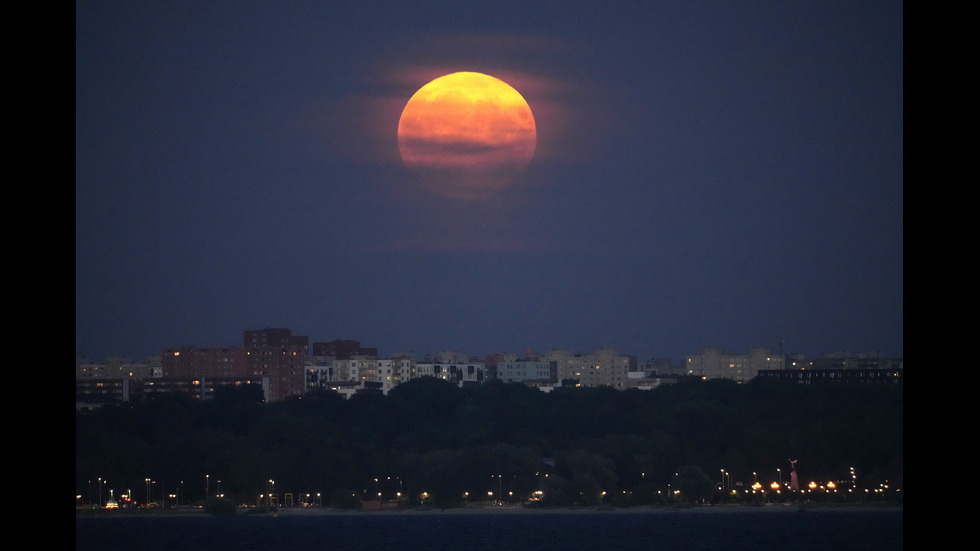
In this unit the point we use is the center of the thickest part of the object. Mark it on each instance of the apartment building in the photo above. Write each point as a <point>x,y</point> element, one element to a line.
<point>358,373</point>
<point>457,369</point>
<point>274,355</point>
<point>714,363</point>
<point>604,367</point>
<point>117,367</point>
<point>527,371</point>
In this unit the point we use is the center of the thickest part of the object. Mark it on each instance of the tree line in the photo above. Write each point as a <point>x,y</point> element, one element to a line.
<point>429,440</point>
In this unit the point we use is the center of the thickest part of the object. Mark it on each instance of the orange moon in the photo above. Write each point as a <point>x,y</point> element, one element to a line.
<point>468,135</point>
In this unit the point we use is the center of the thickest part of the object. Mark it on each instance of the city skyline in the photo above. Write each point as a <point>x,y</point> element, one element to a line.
<point>726,175</point>
<point>373,350</point>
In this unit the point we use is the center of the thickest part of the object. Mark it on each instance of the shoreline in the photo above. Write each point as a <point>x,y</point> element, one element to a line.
<point>497,510</point>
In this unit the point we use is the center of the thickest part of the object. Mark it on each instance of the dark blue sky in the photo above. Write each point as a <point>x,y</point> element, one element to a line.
<point>721,174</point>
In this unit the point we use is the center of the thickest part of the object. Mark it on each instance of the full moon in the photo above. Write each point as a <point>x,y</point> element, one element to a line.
<point>468,135</point>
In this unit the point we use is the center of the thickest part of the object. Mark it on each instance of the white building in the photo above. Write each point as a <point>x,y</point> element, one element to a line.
<point>519,371</point>
<point>459,372</point>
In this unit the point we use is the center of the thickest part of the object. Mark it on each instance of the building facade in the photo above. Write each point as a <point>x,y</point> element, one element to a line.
<point>457,369</point>
<point>348,375</point>
<point>604,367</point>
<point>527,371</point>
<point>273,355</point>
<point>117,367</point>
<point>852,375</point>
<point>713,363</point>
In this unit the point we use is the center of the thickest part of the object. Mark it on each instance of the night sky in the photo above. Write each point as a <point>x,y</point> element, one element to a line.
<point>724,174</point>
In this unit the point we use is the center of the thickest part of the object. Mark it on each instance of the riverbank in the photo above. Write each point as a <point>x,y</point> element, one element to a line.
<point>501,510</point>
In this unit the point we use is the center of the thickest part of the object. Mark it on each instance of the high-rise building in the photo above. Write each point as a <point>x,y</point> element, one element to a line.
<point>284,366</point>
<point>272,354</point>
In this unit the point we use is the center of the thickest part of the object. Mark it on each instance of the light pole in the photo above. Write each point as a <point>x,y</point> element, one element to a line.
<point>500,488</point>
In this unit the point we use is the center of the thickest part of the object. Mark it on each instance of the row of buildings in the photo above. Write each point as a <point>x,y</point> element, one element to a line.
<point>284,365</point>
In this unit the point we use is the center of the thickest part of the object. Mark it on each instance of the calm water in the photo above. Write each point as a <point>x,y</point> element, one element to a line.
<point>660,530</point>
